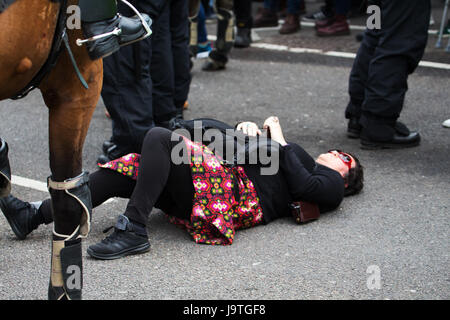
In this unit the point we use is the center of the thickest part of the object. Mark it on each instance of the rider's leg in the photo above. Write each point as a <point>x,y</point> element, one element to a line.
<point>99,17</point>
<point>97,10</point>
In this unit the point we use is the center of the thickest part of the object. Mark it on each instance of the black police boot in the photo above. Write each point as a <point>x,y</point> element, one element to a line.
<point>243,38</point>
<point>401,138</point>
<point>23,217</point>
<point>128,238</point>
<point>114,33</point>
<point>106,145</point>
<point>114,152</point>
<point>353,128</point>
<point>5,170</point>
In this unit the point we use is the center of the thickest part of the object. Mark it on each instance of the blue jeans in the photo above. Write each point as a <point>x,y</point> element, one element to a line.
<point>293,6</point>
<point>201,27</point>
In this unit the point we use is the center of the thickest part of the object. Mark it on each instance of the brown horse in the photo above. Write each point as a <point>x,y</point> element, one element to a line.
<point>28,28</point>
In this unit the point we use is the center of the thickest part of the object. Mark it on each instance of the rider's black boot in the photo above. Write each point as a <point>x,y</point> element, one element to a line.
<point>5,170</point>
<point>100,18</point>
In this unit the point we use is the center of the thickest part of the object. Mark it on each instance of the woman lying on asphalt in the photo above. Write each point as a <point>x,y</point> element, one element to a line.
<point>207,195</point>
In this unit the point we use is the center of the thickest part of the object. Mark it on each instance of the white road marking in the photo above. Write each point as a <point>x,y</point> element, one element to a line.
<point>348,55</point>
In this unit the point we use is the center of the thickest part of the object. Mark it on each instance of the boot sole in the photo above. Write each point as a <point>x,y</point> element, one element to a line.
<point>365,145</point>
<point>340,33</point>
<point>136,250</point>
<point>353,134</point>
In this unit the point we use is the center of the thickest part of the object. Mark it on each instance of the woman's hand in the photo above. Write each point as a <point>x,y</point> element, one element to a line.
<point>276,134</point>
<point>249,128</point>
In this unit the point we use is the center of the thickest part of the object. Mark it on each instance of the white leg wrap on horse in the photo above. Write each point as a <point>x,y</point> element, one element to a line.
<point>66,278</point>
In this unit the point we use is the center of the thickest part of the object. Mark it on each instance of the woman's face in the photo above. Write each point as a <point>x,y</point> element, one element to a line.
<point>336,161</point>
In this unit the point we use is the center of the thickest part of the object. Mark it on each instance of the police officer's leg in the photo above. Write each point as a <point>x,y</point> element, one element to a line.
<point>218,57</point>
<point>194,7</point>
<point>97,10</point>
<point>244,21</point>
<point>128,97</point>
<point>179,29</point>
<point>162,71</point>
<point>358,81</point>
<point>401,45</point>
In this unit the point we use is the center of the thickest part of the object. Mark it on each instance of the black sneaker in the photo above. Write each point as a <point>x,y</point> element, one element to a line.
<point>22,216</point>
<point>128,238</point>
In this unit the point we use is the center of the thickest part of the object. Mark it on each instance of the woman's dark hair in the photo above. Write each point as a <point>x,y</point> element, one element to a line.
<point>354,178</point>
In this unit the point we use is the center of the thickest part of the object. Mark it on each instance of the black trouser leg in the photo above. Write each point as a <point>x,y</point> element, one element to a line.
<point>179,29</point>
<point>128,96</point>
<point>225,31</point>
<point>160,182</point>
<point>243,12</point>
<point>97,10</point>
<point>400,45</point>
<point>359,75</point>
<point>162,70</point>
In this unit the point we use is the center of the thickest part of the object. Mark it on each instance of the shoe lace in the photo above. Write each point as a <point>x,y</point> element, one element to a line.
<point>116,235</point>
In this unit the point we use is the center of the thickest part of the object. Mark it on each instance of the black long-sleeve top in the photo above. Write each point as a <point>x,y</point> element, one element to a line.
<point>300,178</point>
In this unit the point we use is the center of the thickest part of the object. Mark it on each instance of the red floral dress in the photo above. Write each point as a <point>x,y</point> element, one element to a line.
<point>216,214</point>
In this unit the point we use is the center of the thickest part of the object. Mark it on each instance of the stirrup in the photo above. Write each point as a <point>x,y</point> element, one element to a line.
<point>117,31</point>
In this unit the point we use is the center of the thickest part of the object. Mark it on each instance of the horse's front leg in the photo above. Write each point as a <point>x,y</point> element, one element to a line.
<point>70,110</point>
<point>71,201</point>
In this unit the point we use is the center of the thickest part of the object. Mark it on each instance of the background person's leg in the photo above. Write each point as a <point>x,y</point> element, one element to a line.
<point>179,30</point>
<point>358,82</point>
<point>244,23</point>
<point>162,71</point>
<point>127,94</point>
<point>401,45</point>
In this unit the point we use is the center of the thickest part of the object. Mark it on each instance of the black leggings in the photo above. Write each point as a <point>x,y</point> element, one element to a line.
<point>161,183</point>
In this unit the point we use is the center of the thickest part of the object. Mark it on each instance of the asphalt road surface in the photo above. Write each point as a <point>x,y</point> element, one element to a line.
<point>398,228</point>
